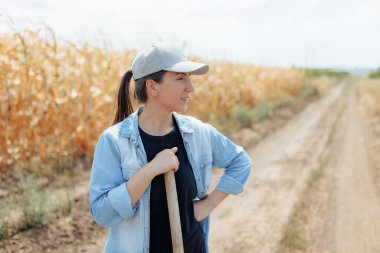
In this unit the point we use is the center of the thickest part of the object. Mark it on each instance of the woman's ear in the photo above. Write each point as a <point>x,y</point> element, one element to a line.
<point>151,87</point>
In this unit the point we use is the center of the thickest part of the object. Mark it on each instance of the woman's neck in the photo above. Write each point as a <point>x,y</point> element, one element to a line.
<point>155,121</point>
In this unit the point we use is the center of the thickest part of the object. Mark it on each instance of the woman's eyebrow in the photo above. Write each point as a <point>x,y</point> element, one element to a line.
<point>182,74</point>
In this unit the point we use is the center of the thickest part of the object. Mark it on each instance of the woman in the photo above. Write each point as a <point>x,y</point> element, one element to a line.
<point>127,191</point>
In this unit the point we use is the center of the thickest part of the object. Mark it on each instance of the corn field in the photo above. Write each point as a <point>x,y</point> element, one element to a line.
<point>56,98</point>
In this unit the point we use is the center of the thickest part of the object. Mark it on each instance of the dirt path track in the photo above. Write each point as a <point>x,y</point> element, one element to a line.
<point>326,136</point>
<point>352,216</point>
<point>282,162</point>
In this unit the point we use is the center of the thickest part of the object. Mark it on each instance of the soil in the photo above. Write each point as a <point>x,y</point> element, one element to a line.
<point>340,212</point>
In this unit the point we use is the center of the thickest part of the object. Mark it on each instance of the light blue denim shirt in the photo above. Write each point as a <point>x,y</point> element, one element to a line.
<point>119,154</point>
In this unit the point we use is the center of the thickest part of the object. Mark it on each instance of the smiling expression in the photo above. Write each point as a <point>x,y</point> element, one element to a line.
<point>174,91</point>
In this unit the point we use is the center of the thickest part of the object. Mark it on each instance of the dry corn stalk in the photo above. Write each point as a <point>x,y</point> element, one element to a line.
<point>57,98</point>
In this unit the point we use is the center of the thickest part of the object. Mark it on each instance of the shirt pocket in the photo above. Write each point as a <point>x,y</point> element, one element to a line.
<point>129,169</point>
<point>205,161</point>
<point>205,168</point>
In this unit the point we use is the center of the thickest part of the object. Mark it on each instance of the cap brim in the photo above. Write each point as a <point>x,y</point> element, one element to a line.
<point>195,68</point>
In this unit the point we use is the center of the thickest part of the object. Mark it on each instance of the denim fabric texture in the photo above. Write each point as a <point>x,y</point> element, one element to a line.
<point>119,154</point>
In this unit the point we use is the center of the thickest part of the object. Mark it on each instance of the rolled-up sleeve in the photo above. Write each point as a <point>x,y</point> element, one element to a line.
<point>110,202</point>
<point>233,158</point>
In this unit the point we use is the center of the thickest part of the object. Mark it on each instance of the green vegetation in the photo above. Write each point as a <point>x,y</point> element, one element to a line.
<point>246,116</point>
<point>29,205</point>
<point>34,202</point>
<point>292,237</point>
<point>243,115</point>
<point>318,72</point>
<point>314,175</point>
<point>375,73</point>
<point>307,92</point>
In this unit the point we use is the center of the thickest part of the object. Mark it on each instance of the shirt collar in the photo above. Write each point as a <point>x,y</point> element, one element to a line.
<point>129,126</point>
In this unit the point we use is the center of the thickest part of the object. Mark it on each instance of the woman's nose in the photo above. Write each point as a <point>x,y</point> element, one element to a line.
<point>189,87</point>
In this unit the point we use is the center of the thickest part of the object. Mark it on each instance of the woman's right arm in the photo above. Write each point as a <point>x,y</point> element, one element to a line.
<point>112,199</point>
<point>163,162</point>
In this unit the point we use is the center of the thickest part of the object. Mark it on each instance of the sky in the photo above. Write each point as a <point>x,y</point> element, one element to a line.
<point>284,33</point>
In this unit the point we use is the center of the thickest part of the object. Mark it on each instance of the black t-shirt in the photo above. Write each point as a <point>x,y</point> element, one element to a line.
<point>160,238</point>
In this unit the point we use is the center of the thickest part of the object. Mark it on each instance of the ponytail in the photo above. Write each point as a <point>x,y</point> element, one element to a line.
<point>124,104</point>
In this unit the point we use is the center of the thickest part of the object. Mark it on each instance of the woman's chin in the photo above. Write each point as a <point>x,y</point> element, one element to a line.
<point>182,109</point>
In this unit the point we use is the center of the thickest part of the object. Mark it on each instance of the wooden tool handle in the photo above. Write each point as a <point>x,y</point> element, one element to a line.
<point>174,218</point>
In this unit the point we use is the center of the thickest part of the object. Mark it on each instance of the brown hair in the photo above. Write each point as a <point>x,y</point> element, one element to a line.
<point>124,104</point>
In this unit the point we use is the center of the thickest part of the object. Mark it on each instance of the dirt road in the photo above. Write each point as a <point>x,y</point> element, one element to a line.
<point>348,217</point>
<point>354,209</point>
<point>282,162</point>
<point>341,212</point>
<point>254,221</point>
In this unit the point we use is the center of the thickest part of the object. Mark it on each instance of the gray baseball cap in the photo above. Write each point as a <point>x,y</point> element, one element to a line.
<point>163,56</point>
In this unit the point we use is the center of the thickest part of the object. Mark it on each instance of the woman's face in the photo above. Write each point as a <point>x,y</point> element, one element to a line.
<point>174,91</point>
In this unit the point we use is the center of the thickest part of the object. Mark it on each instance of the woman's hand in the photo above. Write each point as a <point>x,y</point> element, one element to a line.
<point>165,161</point>
<point>204,207</point>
